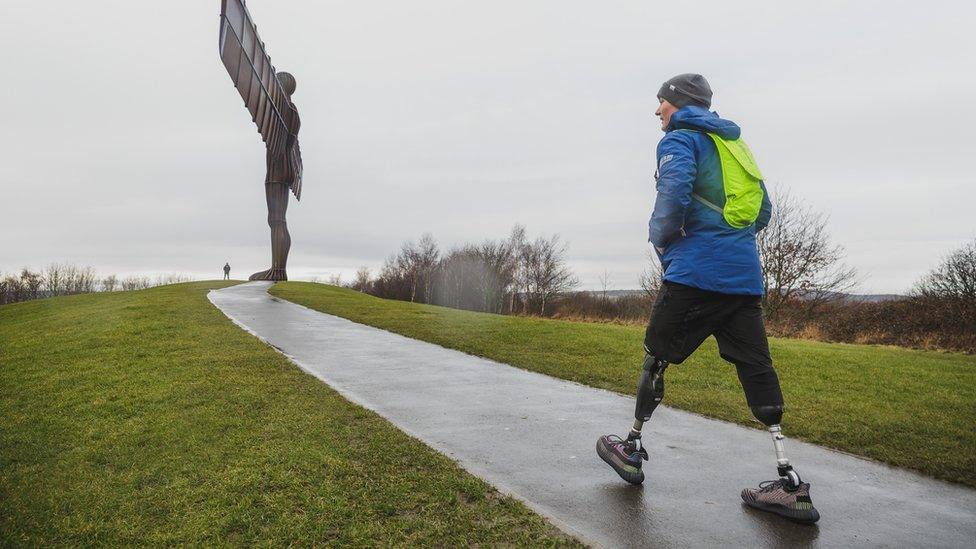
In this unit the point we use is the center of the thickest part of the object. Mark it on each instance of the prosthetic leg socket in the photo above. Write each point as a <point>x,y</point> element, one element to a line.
<point>650,392</point>
<point>650,388</point>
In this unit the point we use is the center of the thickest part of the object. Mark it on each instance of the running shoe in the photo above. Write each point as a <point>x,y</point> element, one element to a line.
<point>624,456</point>
<point>773,496</point>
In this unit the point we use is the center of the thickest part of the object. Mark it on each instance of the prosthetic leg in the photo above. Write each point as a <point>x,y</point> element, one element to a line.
<point>787,497</point>
<point>770,416</point>
<point>650,392</point>
<point>627,456</point>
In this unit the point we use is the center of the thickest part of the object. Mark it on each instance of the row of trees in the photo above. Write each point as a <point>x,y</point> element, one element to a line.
<point>66,279</point>
<point>805,279</point>
<point>802,269</point>
<point>806,286</point>
<point>938,313</point>
<point>514,274</point>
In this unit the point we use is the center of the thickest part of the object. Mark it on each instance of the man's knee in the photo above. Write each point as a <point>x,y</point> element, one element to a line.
<point>769,414</point>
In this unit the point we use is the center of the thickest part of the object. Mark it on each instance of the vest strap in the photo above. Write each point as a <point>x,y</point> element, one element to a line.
<point>706,202</point>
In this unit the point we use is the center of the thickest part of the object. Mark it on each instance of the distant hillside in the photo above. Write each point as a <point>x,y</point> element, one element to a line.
<point>869,298</point>
<point>615,293</point>
<point>873,298</point>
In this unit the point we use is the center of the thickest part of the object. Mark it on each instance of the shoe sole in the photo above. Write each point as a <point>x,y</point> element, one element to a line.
<point>607,456</point>
<point>802,517</point>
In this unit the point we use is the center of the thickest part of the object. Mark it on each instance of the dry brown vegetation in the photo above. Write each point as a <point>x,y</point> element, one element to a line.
<point>805,281</point>
<point>939,312</point>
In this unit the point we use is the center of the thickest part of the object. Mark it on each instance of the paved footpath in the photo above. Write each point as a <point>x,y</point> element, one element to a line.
<point>533,437</point>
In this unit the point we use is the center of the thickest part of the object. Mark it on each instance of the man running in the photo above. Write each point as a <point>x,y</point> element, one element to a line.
<point>711,203</point>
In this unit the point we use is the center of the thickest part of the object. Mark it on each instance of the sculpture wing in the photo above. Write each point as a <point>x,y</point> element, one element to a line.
<point>295,159</point>
<point>250,68</point>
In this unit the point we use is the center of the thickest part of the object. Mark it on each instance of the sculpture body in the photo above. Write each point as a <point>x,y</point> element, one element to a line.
<point>267,96</point>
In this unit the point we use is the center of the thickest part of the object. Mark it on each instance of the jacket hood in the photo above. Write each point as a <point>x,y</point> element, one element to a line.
<point>692,117</point>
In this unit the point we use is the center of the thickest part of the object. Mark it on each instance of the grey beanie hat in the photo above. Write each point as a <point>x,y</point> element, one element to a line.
<point>687,89</point>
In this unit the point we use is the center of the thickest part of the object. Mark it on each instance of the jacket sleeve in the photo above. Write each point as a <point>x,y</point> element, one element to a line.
<point>677,169</point>
<point>765,211</point>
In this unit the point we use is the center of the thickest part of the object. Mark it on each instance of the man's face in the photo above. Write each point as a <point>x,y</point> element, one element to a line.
<point>664,112</point>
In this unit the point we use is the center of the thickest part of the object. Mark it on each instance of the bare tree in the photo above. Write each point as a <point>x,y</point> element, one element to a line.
<point>652,276</point>
<point>69,279</point>
<point>388,280</point>
<point>455,273</point>
<point>336,279</point>
<point>31,282</point>
<point>799,261</point>
<point>85,281</point>
<point>954,278</point>
<point>362,281</point>
<point>408,265</point>
<point>496,271</point>
<point>518,245</point>
<point>450,277</point>
<point>459,276</point>
<point>548,272</point>
<point>605,284</point>
<point>130,283</point>
<point>65,278</point>
<point>427,255</point>
<point>55,279</point>
<point>109,283</point>
<point>13,290</point>
<point>414,266</point>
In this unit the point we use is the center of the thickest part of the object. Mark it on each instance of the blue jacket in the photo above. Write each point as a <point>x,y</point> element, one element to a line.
<point>700,248</point>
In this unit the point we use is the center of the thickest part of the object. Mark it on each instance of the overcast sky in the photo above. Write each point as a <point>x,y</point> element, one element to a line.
<point>125,146</point>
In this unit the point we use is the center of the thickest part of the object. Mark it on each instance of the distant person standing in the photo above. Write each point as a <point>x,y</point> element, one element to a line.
<point>226,271</point>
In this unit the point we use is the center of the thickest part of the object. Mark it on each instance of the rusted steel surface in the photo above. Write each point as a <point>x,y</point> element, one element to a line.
<point>260,85</point>
<point>267,96</point>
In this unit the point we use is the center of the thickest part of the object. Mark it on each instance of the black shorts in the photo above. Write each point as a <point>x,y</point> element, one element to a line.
<point>683,317</point>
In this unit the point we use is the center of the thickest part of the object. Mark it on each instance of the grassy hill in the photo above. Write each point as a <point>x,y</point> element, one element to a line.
<point>913,409</point>
<point>148,418</point>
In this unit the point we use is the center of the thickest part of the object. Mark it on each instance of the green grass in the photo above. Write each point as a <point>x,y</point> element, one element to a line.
<point>148,418</point>
<point>908,408</point>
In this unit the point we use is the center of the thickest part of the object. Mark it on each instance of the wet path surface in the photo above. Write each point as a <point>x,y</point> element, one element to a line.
<point>533,437</point>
